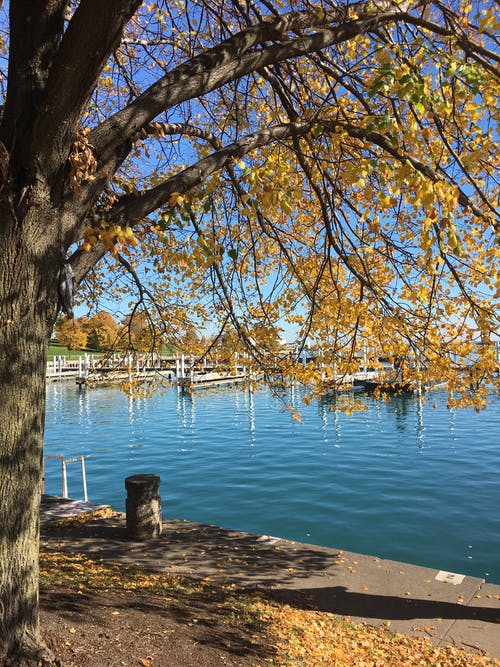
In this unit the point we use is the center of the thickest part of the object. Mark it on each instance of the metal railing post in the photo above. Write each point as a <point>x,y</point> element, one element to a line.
<point>64,478</point>
<point>64,473</point>
<point>84,480</point>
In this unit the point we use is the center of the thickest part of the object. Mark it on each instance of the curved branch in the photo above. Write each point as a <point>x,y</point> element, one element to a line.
<point>133,208</point>
<point>236,57</point>
<point>93,32</point>
<point>163,129</point>
<point>130,209</point>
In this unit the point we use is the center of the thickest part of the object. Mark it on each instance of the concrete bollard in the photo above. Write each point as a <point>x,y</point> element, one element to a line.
<point>143,507</point>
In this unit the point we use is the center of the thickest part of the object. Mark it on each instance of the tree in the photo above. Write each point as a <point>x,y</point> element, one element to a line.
<point>330,166</point>
<point>137,333</point>
<point>101,337</point>
<point>71,333</point>
<point>102,331</point>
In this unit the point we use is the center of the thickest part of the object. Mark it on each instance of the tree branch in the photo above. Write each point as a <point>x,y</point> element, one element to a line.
<point>163,129</point>
<point>427,171</point>
<point>93,32</point>
<point>82,261</point>
<point>469,47</point>
<point>36,28</point>
<point>236,57</point>
<point>130,209</point>
<point>133,208</point>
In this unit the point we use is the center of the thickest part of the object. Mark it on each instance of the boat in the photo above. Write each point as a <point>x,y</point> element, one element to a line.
<point>386,386</point>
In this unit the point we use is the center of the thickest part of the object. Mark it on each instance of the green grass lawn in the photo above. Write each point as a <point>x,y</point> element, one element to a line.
<point>56,350</point>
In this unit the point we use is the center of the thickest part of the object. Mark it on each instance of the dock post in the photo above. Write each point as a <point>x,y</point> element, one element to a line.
<point>143,507</point>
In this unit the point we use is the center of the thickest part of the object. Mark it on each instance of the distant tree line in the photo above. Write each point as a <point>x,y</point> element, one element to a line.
<point>136,333</point>
<point>100,332</point>
<point>103,333</point>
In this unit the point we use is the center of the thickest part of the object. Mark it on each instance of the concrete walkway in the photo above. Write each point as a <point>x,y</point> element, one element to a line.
<point>446,608</point>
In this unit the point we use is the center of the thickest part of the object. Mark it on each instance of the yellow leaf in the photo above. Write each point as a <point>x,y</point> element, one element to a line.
<point>175,199</point>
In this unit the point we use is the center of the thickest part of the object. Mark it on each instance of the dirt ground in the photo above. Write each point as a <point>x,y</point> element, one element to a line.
<point>95,628</point>
<point>108,602</point>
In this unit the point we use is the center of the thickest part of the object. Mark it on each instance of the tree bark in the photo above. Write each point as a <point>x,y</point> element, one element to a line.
<point>28,305</point>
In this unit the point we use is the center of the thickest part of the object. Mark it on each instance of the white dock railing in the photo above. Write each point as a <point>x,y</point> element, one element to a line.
<point>64,474</point>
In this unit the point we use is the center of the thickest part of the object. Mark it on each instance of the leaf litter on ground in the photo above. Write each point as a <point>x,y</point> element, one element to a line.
<point>300,638</point>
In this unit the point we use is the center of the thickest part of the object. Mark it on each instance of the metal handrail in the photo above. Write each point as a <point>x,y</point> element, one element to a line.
<point>64,475</point>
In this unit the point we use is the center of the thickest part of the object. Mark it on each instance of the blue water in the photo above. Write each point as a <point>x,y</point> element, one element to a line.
<point>413,483</point>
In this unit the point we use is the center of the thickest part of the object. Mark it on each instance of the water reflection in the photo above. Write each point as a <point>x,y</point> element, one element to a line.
<point>327,414</point>
<point>324,423</point>
<point>251,416</point>
<point>420,422</point>
<point>401,408</point>
<point>451,427</point>
<point>184,405</point>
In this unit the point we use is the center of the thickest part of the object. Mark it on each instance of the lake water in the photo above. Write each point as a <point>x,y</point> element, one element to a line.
<point>399,480</point>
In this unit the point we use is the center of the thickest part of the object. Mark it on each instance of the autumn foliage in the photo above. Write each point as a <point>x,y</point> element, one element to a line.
<point>100,332</point>
<point>328,170</point>
<point>346,196</point>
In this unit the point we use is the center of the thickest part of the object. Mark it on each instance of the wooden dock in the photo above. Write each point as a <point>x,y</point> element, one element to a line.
<point>208,380</point>
<point>103,378</point>
<point>54,509</point>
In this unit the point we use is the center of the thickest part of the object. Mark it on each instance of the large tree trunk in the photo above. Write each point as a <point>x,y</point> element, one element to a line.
<point>28,302</point>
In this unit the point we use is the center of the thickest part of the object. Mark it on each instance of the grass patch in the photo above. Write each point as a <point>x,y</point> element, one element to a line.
<point>56,350</point>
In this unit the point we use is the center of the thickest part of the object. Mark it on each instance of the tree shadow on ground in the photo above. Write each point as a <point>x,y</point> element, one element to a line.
<point>339,600</point>
<point>196,550</point>
<point>138,616</point>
